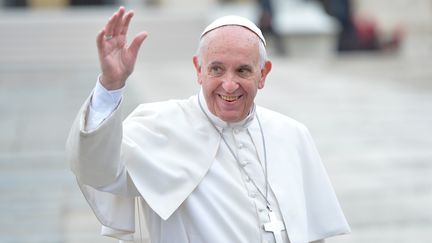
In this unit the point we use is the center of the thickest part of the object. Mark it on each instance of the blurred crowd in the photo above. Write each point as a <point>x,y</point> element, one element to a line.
<point>356,33</point>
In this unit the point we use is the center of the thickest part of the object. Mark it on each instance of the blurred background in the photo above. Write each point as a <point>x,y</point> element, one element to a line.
<point>357,73</point>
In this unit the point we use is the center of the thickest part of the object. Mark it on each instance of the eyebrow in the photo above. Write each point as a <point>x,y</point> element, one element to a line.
<point>215,63</point>
<point>246,66</point>
<point>241,66</point>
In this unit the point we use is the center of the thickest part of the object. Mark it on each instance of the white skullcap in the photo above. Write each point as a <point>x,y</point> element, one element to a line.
<point>234,20</point>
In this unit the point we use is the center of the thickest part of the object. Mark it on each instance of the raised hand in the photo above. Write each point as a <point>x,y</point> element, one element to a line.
<point>116,58</point>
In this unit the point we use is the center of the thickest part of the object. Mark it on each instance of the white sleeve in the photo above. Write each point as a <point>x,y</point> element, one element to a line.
<point>103,103</point>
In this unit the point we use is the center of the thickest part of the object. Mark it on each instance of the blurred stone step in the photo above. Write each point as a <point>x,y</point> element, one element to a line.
<point>69,34</point>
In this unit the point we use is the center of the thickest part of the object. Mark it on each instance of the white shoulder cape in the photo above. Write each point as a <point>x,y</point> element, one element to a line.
<point>156,152</point>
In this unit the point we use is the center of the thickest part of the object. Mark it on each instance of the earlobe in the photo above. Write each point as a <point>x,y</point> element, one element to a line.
<point>261,83</point>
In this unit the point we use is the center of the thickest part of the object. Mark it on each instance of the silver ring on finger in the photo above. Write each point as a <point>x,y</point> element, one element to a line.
<point>108,37</point>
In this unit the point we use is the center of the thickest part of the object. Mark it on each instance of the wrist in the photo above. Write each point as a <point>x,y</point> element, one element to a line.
<point>112,85</point>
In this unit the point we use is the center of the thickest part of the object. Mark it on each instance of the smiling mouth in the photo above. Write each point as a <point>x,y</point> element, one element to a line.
<point>230,98</point>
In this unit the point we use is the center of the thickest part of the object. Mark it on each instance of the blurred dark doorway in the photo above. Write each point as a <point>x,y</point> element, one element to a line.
<point>15,3</point>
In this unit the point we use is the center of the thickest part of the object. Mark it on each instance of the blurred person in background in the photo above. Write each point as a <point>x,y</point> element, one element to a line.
<point>211,168</point>
<point>358,33</point>
<point>265,23</point>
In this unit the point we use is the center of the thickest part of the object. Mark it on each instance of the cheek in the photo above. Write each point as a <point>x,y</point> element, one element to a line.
<point>210,84</point>
<point>200,78</point>
<point>254,86</point>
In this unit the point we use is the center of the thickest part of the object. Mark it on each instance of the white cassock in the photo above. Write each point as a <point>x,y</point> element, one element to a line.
<point>190,187</point>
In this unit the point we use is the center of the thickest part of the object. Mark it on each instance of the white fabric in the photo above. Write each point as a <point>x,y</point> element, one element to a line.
<point>227,169</point>
<point>102,104</point>
<point>234,20</point>
<point>193,188</point>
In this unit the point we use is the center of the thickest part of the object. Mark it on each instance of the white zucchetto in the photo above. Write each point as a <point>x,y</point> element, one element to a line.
<point>234,20</point>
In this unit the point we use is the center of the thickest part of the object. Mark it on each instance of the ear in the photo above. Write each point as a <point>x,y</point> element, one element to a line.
<point>264,72</point>
<point>197,68</point>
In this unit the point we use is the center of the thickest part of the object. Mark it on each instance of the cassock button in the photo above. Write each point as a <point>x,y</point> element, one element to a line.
<point>244,163</point>
<point>240,145</point>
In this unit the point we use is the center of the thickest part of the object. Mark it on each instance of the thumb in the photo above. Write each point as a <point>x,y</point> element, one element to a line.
<point>136,43</point>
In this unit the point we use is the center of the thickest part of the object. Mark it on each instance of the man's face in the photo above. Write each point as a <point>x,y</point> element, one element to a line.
<point>230,72</point>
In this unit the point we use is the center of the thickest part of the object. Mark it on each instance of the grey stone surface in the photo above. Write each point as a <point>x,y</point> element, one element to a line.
<point>370,115</point>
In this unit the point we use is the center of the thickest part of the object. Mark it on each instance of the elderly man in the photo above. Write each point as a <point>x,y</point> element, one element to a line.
<point>212,168</point>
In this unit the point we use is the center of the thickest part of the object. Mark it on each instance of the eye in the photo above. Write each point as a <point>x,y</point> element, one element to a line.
<point>244,71</point>
<point>216,70</point>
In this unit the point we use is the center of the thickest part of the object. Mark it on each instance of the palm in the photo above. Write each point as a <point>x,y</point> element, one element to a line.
<point>116,58</point>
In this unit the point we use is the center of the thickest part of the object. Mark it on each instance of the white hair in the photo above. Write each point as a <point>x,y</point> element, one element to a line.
<point>261,48</point>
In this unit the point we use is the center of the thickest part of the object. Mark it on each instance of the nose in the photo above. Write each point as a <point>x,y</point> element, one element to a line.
<point>229,85</point>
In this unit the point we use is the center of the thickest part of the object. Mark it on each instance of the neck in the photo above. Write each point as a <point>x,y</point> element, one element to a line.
<point>245,122</point>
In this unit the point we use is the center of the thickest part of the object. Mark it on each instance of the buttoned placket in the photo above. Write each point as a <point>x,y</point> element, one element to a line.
<point>251,167</point>
<point>241,142</point>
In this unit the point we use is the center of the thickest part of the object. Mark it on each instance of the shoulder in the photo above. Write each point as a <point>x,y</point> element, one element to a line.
<point>162,109</point>
<point>164,116</point>
<point>287,135</point>
<point>278,120</point>
<point>280,127</point>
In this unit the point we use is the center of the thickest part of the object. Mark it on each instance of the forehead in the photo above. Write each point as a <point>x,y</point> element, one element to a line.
<point>231,33</point>
<point>233,42</point>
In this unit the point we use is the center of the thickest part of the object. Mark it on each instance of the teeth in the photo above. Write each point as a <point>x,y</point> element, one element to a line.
<point>229,98</point>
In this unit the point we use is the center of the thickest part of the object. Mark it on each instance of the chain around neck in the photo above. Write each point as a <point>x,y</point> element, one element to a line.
<point>265,194</point>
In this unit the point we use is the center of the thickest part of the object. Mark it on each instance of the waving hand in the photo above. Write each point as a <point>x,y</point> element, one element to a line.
<point>117,59</point>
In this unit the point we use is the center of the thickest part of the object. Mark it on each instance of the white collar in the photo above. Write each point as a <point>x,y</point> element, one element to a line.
<point>221,124</point>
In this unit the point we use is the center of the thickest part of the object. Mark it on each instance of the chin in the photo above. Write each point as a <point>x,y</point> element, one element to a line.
<point>230,118</point>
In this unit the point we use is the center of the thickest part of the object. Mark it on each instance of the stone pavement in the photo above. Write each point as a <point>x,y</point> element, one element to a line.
<point>369,114</point>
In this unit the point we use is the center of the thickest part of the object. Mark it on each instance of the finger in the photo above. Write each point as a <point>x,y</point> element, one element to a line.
<point>136,43</point>
<point>109,27</point>
<point>118,23</point>
<point>126,22</point>
<point>100,38</point>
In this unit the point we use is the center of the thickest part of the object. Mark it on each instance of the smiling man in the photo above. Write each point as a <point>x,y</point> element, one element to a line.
<point>231,67</point>
<point>211,168</point>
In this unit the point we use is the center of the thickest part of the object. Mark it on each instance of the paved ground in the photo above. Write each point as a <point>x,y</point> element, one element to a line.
<point>369,114</point>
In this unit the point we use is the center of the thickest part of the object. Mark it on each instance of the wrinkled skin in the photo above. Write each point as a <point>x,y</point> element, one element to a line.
<point>229,71</point>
